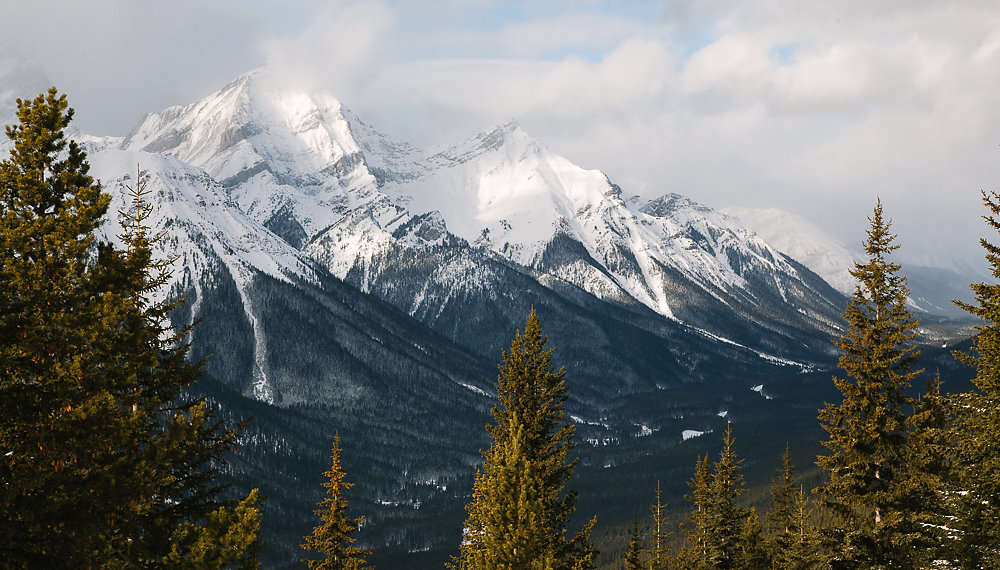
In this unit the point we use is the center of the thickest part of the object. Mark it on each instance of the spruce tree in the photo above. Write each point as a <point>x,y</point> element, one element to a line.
<point>56,465</point>
<point>804,549</point>
<point>784,496</point>
<point>725,520</point>
<point>657,553</point>
<point>753,546</point>
<point>107,461</point>
<point>334,535</point>
<point>867,462</point>
<point>633,555</point>
<point>693,555</point>
<point>793,539</point>
<point>519,510</point>
<point>718,525</point>
<point>979,422</point>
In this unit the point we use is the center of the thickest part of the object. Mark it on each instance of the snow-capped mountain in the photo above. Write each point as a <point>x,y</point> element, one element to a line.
<point>804,242</point>
<point>932,288</point>
<point>363,206</point>
<point>289,159</point>
<point>344,281</point>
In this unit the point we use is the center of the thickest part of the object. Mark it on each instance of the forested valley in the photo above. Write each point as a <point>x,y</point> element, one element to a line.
<point>113,457</point>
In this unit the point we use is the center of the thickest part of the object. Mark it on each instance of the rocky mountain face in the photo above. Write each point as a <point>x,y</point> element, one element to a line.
<point>349,283</point>
<point>932,288</point>
<point>443,232</point>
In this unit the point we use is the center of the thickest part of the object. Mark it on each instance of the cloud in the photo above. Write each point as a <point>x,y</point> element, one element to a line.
<point>816,107</point>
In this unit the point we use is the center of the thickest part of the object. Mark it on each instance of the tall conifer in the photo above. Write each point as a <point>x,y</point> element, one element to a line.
<point>869,474</point>
<point>719,526</point>
<point>979,520</point>
<point>105,461</point>
<point>334,535</point>
<point>633,555</point>
<point>519,511</point>
<point>657,552</point>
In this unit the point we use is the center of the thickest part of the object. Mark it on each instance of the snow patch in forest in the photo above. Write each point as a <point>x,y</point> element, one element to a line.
<point>692,433</point>
<point>644,430</point>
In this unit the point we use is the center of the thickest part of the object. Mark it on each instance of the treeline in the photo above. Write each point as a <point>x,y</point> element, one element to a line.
<point>107,459</point>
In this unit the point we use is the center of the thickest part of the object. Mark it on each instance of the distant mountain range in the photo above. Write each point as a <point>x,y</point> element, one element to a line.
<point>348,282</point>
<point>932,288</point>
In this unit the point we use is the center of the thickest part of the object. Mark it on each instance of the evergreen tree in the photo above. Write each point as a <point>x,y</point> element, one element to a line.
<point>780,519</point>
<point>724,520</point>
<point>519,511</point>
<point>106,462</point>
<point>633,556</point>
<point>753,546</point>
<point>868,485</point>
<point>334,535</point>
<point>933,478</point>
<point>718,525</point>
<point>804,549</point>
<point>979,422</point>
<point>793,539</point>
<point>657,553</point>
<point>692,554</point>
<point>53,455</point>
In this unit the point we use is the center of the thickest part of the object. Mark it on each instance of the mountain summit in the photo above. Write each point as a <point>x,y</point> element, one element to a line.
<point>306,168</point>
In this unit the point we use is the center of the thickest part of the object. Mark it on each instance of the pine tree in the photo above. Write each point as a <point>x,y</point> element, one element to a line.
<point>107,462</point>
<point>793,539</point>
<point>753,547</point>
<point>804,550</point>
<point>519,511</point>
<point>334,535</point>
<point>979,423</point>
<point>718,524</point>
<point>49,208</point>
<point>633,556</point>
<point>693,555</point>
<point>657,553</point>
<point>724,520</point>
<point>784,495</point>
<point>868,430</point>
<point>933,478</point>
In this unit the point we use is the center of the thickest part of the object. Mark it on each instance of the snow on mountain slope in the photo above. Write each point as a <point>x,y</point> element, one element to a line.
<point>932,287</point>
<point>288,158</point>
<point>504,191</point>
<point>302,167</point>
<point>803,242</point>
<point>205,232</point>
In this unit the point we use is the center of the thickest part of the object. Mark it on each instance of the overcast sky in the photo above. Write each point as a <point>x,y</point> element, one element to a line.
<point>814,107</point>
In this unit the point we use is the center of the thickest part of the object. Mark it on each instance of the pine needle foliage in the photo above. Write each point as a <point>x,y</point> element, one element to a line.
<point>657,553</point>
<point>719,527</point>
<point>106,460</point>
<point>794,542</point>
<point>870,477</point>
<point>520,509</point>
<point>634,554</point>
<point>979,420</point>
<point>334,535</point>
<point>784,494</point>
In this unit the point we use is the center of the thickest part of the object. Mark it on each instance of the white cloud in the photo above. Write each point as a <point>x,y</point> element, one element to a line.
<point>810,106</point>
